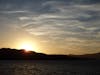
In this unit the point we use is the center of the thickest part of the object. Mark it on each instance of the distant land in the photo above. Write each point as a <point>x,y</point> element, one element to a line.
<point>14,54</point>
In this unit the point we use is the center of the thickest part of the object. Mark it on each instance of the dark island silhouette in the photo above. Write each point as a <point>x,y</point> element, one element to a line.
<point>14,54</point>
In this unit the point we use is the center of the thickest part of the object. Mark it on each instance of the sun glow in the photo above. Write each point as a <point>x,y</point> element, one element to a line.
<point>28,47</point>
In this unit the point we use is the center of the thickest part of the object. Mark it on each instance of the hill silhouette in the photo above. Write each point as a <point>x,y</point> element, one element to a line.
<point>7,53</point>
<point>14,54</point>
<point>88,56</point>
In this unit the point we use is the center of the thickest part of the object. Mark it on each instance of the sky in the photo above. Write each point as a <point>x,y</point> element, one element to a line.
<point>51,26</point>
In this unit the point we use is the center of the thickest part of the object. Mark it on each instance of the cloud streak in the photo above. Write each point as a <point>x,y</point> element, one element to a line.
<point>68,23</point>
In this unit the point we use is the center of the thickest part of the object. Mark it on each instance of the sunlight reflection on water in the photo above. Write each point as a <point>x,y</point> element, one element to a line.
<point>48,68</point>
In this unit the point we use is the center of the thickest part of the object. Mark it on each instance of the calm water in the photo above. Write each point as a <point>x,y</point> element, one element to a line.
<point>74,67</point>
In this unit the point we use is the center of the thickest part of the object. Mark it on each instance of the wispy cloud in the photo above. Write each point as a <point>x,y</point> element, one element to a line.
<point>14,12</point>
<point>74,22</point>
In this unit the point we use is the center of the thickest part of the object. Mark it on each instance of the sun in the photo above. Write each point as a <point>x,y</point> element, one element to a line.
<point>27,46</point>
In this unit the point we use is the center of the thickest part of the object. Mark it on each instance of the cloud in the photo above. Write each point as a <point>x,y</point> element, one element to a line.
<point>13,12</point>
<point>74,21</point>
<point>70,18</point>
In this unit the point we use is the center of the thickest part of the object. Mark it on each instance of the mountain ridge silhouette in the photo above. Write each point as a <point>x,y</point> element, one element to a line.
<point>8,53</point>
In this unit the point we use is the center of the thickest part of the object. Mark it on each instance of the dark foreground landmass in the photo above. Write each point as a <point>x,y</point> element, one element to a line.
<point>14,54</point>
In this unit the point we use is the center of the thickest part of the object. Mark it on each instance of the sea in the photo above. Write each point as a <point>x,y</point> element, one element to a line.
<point>49,67</point>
